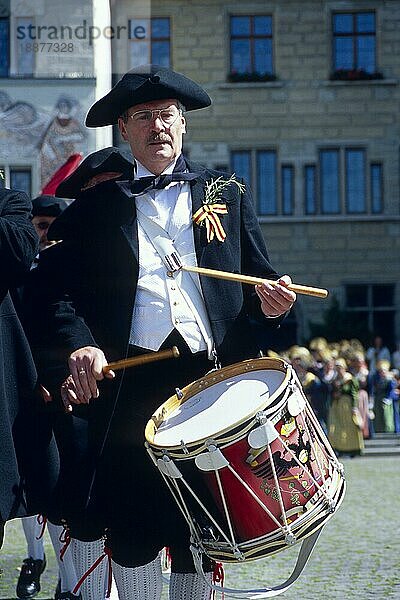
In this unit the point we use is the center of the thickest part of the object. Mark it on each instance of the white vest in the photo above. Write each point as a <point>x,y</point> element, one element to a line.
<point>165,301</point>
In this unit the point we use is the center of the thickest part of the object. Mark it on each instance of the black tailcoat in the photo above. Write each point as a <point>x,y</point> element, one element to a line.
<point>18,247</point>
<point>83,293</point>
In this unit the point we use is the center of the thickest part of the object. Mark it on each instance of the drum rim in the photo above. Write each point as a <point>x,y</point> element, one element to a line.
<point>173,402</point>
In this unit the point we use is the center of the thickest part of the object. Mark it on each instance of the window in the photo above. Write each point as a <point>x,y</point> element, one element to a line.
<point>259,170</point>
<point>287,189</point>
<point>160,42</point>
<point>376,188</point>
<point>343,183</point>
<point>241,165</point>
<point>329,181</point>
<point>373,307</point>
<point>25,56</point>
<point>266,188</point>
<point>20,179</point>
<point>354,46</point>
<point>149,42</point>
<point>310,199</point>
<point>251,48</point>
<point>355,181</point>
<point>4,47</point>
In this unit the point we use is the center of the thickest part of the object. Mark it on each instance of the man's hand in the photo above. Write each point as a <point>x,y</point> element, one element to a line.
<point>276,299</point>
<point>86,366</point>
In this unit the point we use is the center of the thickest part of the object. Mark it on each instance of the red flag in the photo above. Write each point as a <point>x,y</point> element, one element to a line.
<point>62,173</point>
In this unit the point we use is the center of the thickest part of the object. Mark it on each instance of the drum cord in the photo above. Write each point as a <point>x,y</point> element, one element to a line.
<point>267,592</point>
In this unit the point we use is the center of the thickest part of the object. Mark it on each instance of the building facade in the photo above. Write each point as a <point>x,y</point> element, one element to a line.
<point>305,107</point>
<point>47,83</point>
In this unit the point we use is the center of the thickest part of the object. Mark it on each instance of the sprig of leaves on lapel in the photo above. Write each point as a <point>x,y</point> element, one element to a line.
<point>208,214</point>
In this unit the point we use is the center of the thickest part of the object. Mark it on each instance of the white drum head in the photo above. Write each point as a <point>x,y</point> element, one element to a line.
<point>218,407</point>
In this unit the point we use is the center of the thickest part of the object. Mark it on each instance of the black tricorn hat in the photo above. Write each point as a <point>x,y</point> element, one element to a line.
<point>143,84</point>
<point>49,206</point>
<point>101,161</point>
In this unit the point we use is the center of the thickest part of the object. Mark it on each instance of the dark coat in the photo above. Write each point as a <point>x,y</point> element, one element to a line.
<point>83,292</point>
<point>88,282</point>
<point>18,247</point>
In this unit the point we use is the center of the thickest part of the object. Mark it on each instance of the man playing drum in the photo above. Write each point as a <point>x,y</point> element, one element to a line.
<point>115,293</point>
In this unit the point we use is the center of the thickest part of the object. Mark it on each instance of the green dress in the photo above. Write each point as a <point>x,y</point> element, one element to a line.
<point>345,432</point>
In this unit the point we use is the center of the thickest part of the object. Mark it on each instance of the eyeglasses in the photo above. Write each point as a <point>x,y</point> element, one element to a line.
<point>167,115</point>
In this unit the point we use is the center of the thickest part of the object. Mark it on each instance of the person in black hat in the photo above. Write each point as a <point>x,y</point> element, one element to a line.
<point>102,165</point>
<point>45,210</point>
<point>116,297</point>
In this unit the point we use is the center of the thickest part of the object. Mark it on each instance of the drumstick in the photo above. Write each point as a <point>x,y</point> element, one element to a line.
<point>294,287</point>
<point>134,361</point>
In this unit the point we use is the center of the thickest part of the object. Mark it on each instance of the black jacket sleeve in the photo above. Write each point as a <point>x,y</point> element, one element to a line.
<point>52,317</point>
<point>18,239</point>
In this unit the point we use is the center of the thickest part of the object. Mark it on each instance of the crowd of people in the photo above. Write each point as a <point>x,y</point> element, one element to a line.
<point>354,391</point>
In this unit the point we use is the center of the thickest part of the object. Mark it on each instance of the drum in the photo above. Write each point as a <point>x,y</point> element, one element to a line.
<point>246,460</point>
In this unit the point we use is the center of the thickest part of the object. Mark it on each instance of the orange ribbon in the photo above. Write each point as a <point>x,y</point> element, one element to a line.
<point>208,214</point>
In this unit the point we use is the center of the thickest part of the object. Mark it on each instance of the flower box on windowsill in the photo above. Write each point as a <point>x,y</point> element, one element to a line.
<point>354,75</point>
<point>250,77</point>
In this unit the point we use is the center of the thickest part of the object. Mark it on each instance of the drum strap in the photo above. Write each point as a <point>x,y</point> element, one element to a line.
<point>306,549</point>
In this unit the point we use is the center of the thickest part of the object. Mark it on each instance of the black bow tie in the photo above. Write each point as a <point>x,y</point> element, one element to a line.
<point>140,186</point>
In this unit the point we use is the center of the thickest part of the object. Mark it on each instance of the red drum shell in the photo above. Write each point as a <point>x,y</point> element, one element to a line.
<point>296,485</point>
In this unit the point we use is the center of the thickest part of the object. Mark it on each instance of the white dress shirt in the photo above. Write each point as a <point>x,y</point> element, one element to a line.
<point>160,303</point>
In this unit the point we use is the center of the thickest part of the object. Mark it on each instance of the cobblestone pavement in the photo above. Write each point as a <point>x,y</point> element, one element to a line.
<point>356,557</point>
<point>358,553</point>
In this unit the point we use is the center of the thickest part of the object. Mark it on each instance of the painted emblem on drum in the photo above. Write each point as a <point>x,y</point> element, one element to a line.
<point>297,455</point>
<point>294,494</point>
<point>288,427</point>
<point>270,490</point>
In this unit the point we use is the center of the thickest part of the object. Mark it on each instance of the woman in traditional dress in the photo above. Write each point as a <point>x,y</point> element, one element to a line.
<point>345,420</point>
<point>359,370</point>
<point>383,392</point>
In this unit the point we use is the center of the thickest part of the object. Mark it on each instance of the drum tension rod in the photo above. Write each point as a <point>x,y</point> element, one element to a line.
<point>238,554</point>
<point>290,538</point>
<point>331,505</point>
<point>184,448</point>
<point>261,417</point>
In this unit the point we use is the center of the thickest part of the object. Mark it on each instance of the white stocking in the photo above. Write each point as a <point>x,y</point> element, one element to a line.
<point>189,586</point>
<point>32,530</point>
<point>139,583</point>
<point>66,567</point>
<point>84,554</point>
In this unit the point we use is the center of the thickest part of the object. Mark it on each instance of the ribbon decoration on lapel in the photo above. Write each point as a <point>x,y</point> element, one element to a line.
<point>208,214</point>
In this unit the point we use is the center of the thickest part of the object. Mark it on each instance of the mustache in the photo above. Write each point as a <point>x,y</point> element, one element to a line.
<point>159,137</point>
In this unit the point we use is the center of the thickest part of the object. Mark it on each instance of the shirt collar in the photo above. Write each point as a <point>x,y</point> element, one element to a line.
<point>141,170</point>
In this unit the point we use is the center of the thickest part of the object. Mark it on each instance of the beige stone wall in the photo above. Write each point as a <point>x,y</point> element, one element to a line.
<point>59,39</point>
<point>297,115</point>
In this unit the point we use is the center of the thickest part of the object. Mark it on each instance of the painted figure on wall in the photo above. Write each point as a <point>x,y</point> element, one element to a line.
<point>25,128</point>
<point>63,137</point>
